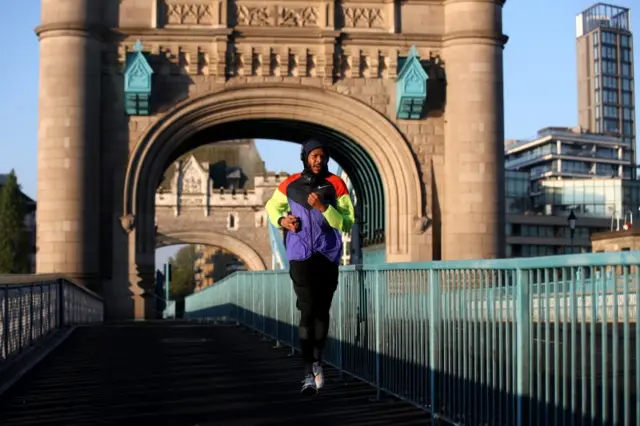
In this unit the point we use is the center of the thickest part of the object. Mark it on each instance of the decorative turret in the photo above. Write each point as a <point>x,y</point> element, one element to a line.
<point>411,87</point>
<point>137,82</point>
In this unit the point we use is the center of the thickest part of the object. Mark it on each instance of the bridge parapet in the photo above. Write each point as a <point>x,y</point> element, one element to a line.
<point>32,307</point>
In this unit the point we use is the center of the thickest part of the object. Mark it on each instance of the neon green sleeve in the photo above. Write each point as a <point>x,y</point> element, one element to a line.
<point>342,216</point>
<point>277,205</point>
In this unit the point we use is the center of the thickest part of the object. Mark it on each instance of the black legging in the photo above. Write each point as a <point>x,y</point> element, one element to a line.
<point>314,281</point>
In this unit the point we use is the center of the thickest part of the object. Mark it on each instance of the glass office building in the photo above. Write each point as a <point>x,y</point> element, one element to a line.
<point>604,45</point>
<point>561,152</point>
<point>537,212</point>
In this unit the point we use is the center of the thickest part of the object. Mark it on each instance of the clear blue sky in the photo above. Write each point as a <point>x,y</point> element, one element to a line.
<point>540,79</point>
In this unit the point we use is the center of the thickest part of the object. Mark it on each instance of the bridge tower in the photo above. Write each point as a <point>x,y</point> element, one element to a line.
<point>68,223</point>
<point>473,174</point>
<point>408,93</point>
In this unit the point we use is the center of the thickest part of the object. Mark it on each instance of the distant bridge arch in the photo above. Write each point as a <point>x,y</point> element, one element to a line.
<point>243,251</point>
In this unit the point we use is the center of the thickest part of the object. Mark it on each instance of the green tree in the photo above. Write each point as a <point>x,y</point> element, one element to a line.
<point>182,272</point>
<point>14,239</point>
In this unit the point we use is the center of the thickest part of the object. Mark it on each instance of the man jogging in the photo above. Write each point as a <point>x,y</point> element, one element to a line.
<point>315,208</point>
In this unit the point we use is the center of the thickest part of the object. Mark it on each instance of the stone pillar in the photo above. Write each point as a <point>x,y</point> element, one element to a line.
<point>473,215</point>
<point>69,140</point>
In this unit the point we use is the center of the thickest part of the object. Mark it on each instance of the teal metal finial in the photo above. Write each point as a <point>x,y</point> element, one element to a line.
<point>138,46</point>
<point>413,52</point>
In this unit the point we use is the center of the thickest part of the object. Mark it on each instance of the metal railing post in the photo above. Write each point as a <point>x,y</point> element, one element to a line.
<point>20,319</point>
<point>435,325</point>
<point>5,324</point>
<point>61,313</point>
<point>378,326</point>
<point>31,290</point>
<point>523,345</point>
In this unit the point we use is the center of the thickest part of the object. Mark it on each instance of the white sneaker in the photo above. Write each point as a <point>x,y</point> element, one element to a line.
<point>309,385</point>
<point>318,372</point>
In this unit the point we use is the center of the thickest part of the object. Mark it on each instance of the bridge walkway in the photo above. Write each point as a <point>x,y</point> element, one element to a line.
<point>175,373</point>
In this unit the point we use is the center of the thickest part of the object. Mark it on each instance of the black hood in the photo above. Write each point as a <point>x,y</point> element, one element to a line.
<point>309,146</point>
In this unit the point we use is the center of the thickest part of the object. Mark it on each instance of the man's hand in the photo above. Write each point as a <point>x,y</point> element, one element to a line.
<point>315,202</point>
<point>290,223</point>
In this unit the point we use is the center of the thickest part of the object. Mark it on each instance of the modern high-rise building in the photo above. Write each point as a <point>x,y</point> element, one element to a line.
<point>570,153</point>
<point>605,72</point>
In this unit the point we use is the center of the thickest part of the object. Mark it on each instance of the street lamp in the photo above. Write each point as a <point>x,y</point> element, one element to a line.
<point>572,227</point>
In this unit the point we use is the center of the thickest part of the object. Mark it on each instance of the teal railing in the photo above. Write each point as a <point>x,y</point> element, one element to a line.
<point>278,250</point>
<point>33,306</point>
<point>534,341</point>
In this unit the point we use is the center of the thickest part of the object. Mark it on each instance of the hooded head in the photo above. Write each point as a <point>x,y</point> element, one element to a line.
<point>315,157</point>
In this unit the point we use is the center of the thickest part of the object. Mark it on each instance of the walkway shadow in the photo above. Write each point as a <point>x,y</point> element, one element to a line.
<point>477,389</point>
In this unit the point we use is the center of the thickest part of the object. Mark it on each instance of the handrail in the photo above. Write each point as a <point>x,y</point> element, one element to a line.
<point>277,246</point>
<point>33,306</point>
<point>29,279</point>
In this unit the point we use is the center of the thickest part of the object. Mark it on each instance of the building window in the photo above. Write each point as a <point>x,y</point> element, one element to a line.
<point>596,51</point>
<point>610,83</point>
<point>596,38</point>
<point>626,70</point>
<point>611,112</point>
<point>627,114</point>
<point>608,37</point>
<point>627,128</point>
<point>626,99</point>
<point>609,97</point>
<point>625,41</point>
<point>611,126</point>
<point>626,55</point>
<point>609,53</point>
<point>627,84</point>
<point>597,96</point>
<point>232,221</point>
<point>609,67</point>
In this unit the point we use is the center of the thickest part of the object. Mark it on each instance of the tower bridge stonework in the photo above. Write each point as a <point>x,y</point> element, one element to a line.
<point>409,94</point>
<point>192,211</point>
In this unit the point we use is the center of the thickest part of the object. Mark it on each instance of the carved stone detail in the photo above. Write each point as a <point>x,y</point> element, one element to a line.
<point>128,222</point>
<point>274,63</point>
<point>420,225</point>
<point>254,16</point>
<point>188,14</point>
<point>298,17</point>
<point>363,17</point>
<point>191,182</point>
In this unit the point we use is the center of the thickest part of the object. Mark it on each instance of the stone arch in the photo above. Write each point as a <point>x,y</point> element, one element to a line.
<point>375,133</point>
<point>245,252</point>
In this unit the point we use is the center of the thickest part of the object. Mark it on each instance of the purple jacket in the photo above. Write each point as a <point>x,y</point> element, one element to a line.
<point>319,232</point>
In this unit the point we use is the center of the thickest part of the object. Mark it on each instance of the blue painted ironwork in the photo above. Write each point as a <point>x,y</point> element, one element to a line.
<point>278,250</point>
<point>358,164</point>
<point>137,82</point>
<point>356,230</point>
<point>549,340</point>
<point>411,87</point>
<point>31,308</point>
<point>374,255</point>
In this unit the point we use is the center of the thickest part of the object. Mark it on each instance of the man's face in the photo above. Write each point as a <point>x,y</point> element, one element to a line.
<point>316,160</point>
